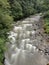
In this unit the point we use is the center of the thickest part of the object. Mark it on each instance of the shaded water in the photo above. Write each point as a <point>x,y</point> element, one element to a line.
<point>25,42</point>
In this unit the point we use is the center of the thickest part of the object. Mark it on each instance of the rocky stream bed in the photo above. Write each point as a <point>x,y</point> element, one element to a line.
<point>27,44</point>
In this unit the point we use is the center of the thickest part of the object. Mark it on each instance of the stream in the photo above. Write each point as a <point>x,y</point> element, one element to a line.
<point>26,43</point>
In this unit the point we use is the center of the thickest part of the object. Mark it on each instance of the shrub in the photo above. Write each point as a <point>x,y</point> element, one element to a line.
<point>46,25</point>
<point>16,10</point>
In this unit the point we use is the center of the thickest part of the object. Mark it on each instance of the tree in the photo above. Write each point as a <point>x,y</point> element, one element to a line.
<point>16,9</point>
<point>27,7</point>
<point>5,25</point>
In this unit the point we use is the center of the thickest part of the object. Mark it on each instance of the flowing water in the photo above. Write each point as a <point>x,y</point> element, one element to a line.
<point>25,43</point>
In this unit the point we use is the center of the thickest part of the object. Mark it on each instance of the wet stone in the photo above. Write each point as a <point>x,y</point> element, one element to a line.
<point>26,43</point>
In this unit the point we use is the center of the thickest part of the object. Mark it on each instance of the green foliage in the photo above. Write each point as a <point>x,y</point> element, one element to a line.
<point>46,25</point>
<point>27,7</point>
<point>2,48</point>
<point>46,5</point>
<point>38,5</point>
<point>5,6</point>
<point>46,14</point>
<point>22,8</point>
<point>5,25</point>
<point>46,17</point>
<point>16,10</point>
<point>1,63</point>
<point>5,18</point>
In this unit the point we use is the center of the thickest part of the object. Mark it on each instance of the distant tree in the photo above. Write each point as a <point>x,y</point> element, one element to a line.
<point>16,9</point>
<point>27,6</point>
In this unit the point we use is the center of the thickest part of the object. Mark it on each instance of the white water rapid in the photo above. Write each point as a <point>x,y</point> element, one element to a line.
<point>25,42</point>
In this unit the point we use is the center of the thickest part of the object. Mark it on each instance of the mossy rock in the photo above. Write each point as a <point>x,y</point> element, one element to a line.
<point>1,63</point>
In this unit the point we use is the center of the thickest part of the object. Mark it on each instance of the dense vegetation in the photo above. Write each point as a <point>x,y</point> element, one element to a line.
<point>13,10</point>
<point>46,21</point>
<point>5,25</point>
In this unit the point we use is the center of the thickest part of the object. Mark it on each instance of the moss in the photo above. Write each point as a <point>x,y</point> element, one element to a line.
<point>1,63</point>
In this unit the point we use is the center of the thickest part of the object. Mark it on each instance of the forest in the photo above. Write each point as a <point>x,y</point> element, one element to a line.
<point>13,10</point>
